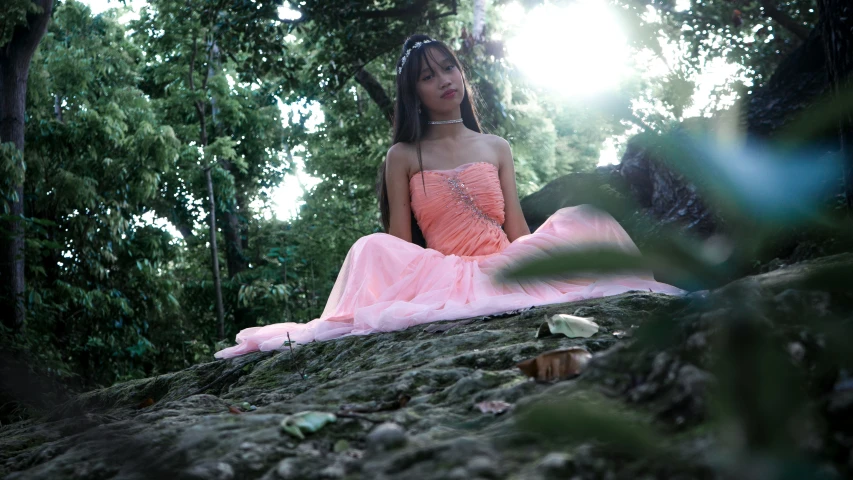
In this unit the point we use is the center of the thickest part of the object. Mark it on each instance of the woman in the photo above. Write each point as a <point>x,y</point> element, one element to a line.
<point>446,185</point>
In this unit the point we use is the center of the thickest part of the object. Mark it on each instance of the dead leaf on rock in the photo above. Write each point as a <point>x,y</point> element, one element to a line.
<point>234,410</point>
<point>568,325</point>
<point>556,364</point>
<point>494,406</point>
<point>145,403</point>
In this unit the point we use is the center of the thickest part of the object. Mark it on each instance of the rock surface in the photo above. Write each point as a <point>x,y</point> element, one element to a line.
<point>405,401</point>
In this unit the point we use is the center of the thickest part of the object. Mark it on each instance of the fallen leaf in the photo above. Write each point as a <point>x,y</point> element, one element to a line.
<point>568,325</point>
<point>340,446</point>
<point>494,406</point>
<point>145,403</point>
<point>234,410</point>
<point>306,422</point>
<point>556,364</point>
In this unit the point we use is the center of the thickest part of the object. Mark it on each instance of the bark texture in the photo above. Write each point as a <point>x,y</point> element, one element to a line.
<point>837,29</point>
<point>15,59</point>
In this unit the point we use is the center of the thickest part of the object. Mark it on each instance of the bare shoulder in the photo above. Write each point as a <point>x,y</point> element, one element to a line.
<point>498,144</point>
<point>499,147</point>
<point>399,157</point>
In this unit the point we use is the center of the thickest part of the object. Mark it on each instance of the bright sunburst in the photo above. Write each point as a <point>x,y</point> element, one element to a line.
<point>576,50</point>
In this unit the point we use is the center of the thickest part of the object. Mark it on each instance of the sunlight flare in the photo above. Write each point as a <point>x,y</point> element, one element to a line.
<point>576,50</point>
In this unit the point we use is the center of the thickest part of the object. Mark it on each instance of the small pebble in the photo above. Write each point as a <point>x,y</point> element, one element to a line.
<point>386,436</point>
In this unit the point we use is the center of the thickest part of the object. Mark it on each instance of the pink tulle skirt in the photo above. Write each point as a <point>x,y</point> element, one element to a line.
<point>388,284</point>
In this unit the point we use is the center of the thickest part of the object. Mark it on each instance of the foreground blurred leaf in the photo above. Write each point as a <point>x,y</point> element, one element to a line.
<point>679,261</point>
<point>757,184</point>
<point>829,278</point>
<point>584,420</point>
<point>822,116</point>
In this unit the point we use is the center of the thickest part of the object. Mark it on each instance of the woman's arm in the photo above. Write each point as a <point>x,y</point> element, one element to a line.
<point>399,200</point>
<point>514,223</point>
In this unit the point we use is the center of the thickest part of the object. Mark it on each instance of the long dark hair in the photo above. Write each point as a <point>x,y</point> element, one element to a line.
<point>409,125</point>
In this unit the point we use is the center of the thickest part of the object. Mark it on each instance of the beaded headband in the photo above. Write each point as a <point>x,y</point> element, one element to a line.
<point>406,55</point>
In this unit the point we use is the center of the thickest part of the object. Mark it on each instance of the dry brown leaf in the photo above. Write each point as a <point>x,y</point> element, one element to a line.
<point>556,364</point>
<point>234,410</point>
<point>494,406</point>
<point>145,403</point>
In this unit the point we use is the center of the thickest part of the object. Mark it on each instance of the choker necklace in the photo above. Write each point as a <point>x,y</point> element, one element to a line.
<point>444,122</point>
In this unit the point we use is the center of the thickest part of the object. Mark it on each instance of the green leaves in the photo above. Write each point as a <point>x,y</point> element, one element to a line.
<point>578,419</point>
<point>679,262</point>
<point>13,14</point>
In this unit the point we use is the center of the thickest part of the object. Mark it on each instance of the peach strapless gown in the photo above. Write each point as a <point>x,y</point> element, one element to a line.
<point>388,284</point>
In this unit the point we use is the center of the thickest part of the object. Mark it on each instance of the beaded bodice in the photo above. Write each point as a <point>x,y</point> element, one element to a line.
<point>462,210</point>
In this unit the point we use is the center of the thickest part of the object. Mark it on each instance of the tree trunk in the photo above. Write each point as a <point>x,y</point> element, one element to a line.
<point>217,284</point>
<point>214,251</point>
<point>234,259</point>
<point>234,244</point>
<point>836,17</point>
<point>15,58</point>
<point>479,19</point>
<point>236,236</point>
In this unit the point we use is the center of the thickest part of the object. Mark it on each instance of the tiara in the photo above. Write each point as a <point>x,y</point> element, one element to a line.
<point>406,55</point>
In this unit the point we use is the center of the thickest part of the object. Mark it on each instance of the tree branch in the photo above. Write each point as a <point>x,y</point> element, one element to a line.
<point>784,20</point>
<point>376,92</point>
<point>199,106</point>
<point>410,10</point>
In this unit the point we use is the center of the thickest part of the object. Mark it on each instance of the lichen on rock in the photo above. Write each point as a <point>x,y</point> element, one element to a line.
<point>406,402</point>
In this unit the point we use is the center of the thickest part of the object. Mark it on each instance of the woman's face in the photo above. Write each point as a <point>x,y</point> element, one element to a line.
<point>440,88</point>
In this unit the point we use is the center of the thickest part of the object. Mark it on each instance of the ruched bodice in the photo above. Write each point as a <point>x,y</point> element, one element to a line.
<point>460,211</point>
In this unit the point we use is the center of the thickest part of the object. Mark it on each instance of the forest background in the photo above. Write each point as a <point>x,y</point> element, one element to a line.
<point>188,117</point>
